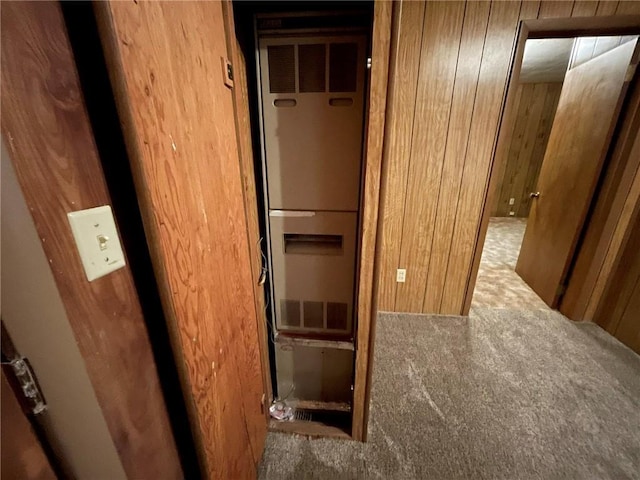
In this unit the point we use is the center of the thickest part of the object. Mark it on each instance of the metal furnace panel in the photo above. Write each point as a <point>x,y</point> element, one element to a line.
<point>313,258</point>
<point>313,373</point>
<point>312,107</point>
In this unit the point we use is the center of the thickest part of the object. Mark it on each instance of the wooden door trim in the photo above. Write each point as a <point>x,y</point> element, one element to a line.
<point>585,294</point>
<point>241,107</point>
<point>367,310</point>
<point>536,28</point>
<point>621,223</point>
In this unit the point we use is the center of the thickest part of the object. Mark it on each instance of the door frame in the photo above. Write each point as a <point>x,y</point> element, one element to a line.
<point>366,308</point>
<point>535,28</point>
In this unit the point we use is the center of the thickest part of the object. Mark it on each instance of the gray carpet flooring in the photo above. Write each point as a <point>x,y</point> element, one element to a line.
<point>502,394</point>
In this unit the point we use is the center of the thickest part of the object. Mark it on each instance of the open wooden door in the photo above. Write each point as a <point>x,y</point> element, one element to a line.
<point>588,108</point>
<point>168,63</point>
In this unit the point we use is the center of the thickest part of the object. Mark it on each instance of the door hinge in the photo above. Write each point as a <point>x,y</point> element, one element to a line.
<point>227,72</point>
<point>26,379</point>
<point>631,71</point>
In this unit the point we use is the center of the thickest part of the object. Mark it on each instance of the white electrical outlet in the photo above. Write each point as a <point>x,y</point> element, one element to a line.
<point>401,275</point>
<point>512,201</point>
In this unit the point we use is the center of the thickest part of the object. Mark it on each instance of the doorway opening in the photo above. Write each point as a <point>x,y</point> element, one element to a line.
<point>564,107</point>
<point>308,87</point>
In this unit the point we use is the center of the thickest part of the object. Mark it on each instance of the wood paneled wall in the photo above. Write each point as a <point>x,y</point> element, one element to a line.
<point>165,62</point>
<point>535,105</point>
<point>619,313</point>
<point>50,141</point>
<point>450,67</point>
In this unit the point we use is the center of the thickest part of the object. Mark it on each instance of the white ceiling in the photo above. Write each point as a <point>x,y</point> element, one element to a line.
<point>545,60</point>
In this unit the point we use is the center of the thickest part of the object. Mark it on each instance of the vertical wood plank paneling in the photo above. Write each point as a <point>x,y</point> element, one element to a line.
<point>619,309</point>
<point>403,81</point>
<point>382,30</point>
<point>459,251</point>
<point>606,7</point>
<point>515,146</point>
<point>500,39</point>
<point>555,8</point>
<point>628,331</point>
<point>532,126</point>
<point>617,297</point>
<point>525,158</point>
<point>49,137</point>
<point>464,91</point>
<point>529,9</point>
<point>440,44</point>
<point>630,7</point>
<point>585,8</point>
<point>500,168</point>
<point>539,147</point>
<point>628,215</point>
<point>183,149</point>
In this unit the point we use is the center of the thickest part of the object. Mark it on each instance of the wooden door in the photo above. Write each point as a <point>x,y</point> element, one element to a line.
<point>22,454</point>
<point>586,115</point>
<point>165,61</point>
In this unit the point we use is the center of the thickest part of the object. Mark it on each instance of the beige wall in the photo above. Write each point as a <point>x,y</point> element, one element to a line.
<point>450,64</point>
<point>37,322</point>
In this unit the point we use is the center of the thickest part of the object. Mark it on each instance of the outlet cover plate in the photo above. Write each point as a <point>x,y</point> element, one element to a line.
<point>401,275</point>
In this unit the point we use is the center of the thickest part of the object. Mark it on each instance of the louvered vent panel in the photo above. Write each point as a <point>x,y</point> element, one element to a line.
<point>282,69</point>
<point>311,67</point>
<point>313,314</point>
<point>337,316</point>
<point>343,67</point>
<point>290,313</point>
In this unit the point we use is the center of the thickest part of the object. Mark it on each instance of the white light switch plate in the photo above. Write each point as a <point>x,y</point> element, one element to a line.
<point>97,240</point>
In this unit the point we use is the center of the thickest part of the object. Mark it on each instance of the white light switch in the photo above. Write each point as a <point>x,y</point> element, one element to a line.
<point>97,240</point>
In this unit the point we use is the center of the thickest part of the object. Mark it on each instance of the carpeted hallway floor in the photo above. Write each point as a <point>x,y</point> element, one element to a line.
<point>501,394</point>
<point>514,391</point>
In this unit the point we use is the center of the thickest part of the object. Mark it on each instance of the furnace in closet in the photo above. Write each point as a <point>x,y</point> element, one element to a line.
<point>312,83</point>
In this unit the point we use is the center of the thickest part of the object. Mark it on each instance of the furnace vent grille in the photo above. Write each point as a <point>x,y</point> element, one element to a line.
<point>343,62</point>
<point>314,316</point>
<point>282,65</point>
<point>290,313</point>
<point>311,65</point>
